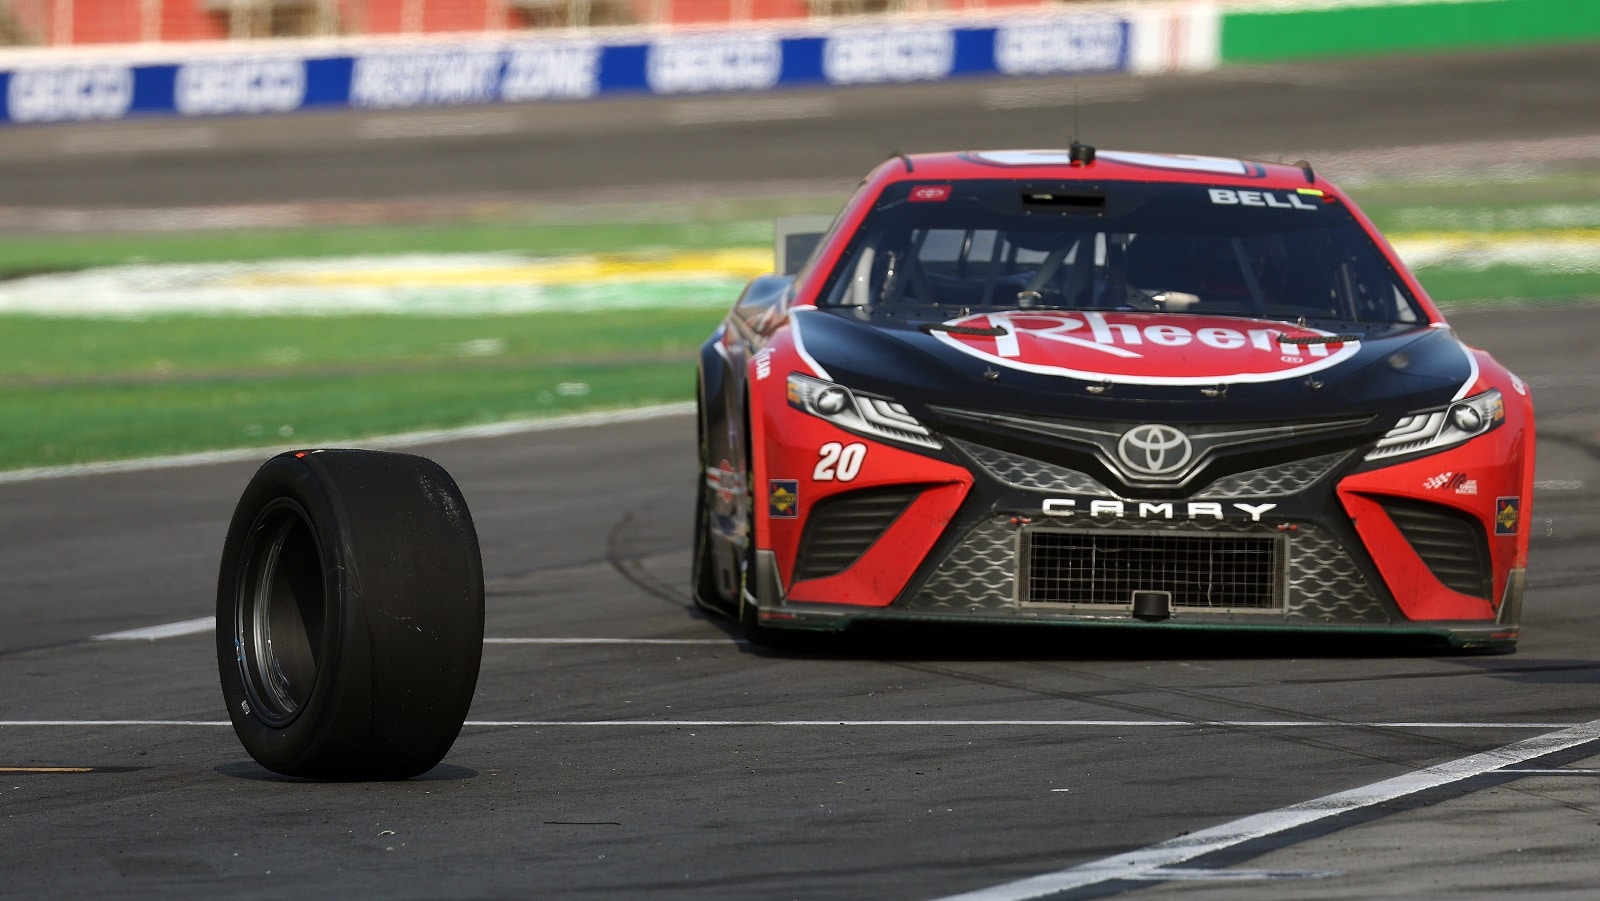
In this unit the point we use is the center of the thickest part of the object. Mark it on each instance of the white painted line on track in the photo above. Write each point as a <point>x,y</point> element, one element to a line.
<point>1097,724</point>
<point>1200,874</point>
<point>405,439</point>
<point>122,140</point>
<point>1137,864</point>
<point>169,630</point>
<point>1552,771</point>
<point>209,624</point>
<point>4,723</point>
<point>712,641</point>
<point>708,112</point>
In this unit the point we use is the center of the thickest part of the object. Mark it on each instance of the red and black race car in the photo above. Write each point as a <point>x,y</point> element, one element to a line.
<point>1125,389</point>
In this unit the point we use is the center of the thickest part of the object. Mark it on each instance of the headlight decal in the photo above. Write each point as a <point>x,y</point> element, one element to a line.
<point>871,416</point>
<point>1428,431</point>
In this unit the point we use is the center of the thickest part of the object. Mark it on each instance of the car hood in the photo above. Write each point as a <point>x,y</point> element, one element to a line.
<point>1127,366</point>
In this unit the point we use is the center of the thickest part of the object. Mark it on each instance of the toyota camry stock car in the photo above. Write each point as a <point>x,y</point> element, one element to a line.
<point>1127,389</point>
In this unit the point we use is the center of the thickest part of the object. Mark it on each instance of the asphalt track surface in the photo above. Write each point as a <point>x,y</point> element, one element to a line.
<point>910,765</point>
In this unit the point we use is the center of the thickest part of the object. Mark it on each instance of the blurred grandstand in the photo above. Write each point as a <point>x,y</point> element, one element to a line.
<point>75,22</point>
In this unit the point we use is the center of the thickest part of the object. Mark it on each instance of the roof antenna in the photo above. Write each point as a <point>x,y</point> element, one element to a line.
<point>904,159</point>
<point>1075,107</point>
<point>1305,166</point>
<point>1079,154</point>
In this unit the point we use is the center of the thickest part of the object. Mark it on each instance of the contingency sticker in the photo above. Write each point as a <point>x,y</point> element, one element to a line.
<point>783,499</point>
<point>1507,513</point>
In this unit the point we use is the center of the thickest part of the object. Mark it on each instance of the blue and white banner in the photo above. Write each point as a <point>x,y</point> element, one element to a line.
<point>255,80</point>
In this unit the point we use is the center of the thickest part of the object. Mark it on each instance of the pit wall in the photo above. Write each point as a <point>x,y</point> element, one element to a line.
<point>111,82</point>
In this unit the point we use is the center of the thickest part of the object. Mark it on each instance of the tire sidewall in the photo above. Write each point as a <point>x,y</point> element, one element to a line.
<point>334,712</point>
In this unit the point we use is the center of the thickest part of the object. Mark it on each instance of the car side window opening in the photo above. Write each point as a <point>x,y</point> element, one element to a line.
<point>1148,247</point>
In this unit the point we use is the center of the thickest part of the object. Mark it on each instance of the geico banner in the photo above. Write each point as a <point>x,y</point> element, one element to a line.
<point>537,68</point>
<point>217,86</point>
<point>80,93</point>
<point>1044,47</point>
<point>714,62</point>
<point>893,53</point>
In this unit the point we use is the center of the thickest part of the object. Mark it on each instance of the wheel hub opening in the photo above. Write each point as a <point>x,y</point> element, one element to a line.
<point>282,614</point>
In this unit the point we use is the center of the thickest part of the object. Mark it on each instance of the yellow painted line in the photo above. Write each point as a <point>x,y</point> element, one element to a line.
<point>732,263</point>
<point>46,769</point>
<point>1564,235</point>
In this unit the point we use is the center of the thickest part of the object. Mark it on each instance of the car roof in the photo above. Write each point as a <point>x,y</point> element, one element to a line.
<point>1103,165</point>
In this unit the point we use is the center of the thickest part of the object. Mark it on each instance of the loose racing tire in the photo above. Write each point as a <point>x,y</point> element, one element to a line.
<point>349,615</point>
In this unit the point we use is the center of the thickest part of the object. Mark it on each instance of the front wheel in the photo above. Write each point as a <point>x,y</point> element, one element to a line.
<point>349,614</point>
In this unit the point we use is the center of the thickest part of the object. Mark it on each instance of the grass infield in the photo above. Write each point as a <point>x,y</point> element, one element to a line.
<point>83,390</point>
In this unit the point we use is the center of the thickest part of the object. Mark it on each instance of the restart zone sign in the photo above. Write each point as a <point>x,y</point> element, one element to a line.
<point>257,81</point>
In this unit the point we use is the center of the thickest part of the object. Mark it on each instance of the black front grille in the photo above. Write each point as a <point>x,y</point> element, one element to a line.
<point>1450,542</point>
<point>842,527</point>
<point>1209,571</point>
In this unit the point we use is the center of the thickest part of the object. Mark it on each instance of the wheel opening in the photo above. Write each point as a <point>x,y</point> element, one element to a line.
<point>283,614</point>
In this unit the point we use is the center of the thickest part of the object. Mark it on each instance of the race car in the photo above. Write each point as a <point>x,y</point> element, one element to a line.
<point>1136,390</point>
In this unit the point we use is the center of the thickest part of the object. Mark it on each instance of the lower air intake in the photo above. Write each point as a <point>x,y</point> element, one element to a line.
<point>1451,543</point>
<point>842,527</point>
<point>1103,569</point>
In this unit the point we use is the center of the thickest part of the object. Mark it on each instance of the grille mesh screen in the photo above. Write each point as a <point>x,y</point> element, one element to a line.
<point>1206,571</point>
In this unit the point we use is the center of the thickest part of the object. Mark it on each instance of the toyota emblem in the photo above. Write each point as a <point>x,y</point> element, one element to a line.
<point>1154,450</point>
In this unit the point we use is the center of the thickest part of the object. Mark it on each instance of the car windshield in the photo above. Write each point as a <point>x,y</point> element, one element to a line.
<point>1181,248</point>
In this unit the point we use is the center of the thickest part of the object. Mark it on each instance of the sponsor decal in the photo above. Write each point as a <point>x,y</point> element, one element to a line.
<point>395,79</point>
<point>1080,44</point>
<point>700,63</point>
<point>1147,348</point>
<point>213,87</point>
<point>783,499</point>
<point>1061,507</point>
<point>1453,481</point>
<point>763,361</point>
<point>1229,197</point>
<point>898,53</point>
<point>85,93</point>
<point>724,481</point>
<point>566,71</point>
<point>930,194</point>
<point>1507,515</point>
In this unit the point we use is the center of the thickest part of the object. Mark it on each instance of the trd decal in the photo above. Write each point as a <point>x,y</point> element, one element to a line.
<point>1454,481</point>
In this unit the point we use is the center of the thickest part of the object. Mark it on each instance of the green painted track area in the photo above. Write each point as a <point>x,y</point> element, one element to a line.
<point>1309,30</point>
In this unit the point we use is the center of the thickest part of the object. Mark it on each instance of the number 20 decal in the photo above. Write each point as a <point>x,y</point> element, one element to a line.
<point>840,462</point>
